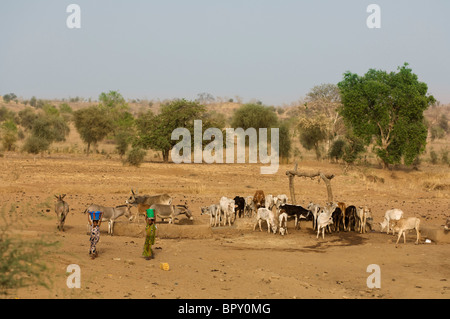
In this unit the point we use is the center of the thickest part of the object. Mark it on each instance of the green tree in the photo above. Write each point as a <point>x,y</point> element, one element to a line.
<point>9,97</point>
<point>155,131</point>
<point>93,124</point>
<point>254,115</point>
<point>27,116</point>
<point>46,129</point>
<point>313,131</point>
<point>387,107</point>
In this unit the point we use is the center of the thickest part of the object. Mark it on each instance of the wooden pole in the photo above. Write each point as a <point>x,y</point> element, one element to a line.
<point>325,177</point>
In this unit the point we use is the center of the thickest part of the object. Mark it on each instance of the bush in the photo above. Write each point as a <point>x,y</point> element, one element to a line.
<point>35,145</point>
<point>21,263</point>
<point>433,157</point>
<point>9,135</point>
<point>136,156</point>
<point>337,150</point>
<point>444,157</point>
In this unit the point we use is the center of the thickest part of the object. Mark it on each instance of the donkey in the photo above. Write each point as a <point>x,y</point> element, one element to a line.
<point>110,214</point>
<point>61,210</point>
<point>171,211</point>
<point>143,202</point>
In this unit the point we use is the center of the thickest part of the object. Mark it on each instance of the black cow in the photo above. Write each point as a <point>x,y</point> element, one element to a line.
<point>239,205</point>
<point>351,217</point>
<point>296,211</point>
<point>338,219</point>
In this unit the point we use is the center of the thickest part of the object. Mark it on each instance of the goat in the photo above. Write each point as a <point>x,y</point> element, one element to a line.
<point>404,224</point>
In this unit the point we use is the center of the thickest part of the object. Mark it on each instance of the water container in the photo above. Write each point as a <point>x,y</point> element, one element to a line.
<point>95,215</point>
<point>150,213</point>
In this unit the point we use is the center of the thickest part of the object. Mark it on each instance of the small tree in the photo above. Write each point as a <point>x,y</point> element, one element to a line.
<point>93,124</point>
<point>46,129</point>
<point>9,135</point>
<point>254,115</point>
<point>313,131</point>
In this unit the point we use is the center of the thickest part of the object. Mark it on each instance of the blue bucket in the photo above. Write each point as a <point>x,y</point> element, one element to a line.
<point>95,215</point>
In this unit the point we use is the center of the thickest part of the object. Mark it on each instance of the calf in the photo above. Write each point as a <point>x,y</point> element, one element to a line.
<point>392,214</point>
<point>249,206</point>
<point>283,223</point>
<point>296,211</point>
<point>404,224</point>
<point>212,210</point>
<point>239,206</point>
<point>267,215</point>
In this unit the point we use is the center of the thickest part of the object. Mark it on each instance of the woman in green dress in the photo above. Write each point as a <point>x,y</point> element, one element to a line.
<point>150,232</point>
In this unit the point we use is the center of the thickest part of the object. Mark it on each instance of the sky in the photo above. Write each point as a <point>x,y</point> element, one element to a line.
<point>266,50</point>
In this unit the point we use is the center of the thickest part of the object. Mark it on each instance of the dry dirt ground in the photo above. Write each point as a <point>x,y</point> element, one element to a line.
<point>232,262</point>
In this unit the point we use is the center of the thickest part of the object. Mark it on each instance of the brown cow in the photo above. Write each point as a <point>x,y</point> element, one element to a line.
<point>259,200</point>
<point>342,206</point>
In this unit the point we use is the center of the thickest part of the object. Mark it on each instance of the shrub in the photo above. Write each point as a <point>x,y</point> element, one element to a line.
<point>136,156</point>
<point>433,157</point>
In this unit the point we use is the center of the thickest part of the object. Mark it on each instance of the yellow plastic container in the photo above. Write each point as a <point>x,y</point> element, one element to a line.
<point>164,266</point>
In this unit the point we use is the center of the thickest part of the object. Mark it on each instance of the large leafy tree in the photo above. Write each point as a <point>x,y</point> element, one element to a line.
<point>155,131</point>
<point>387,108</point>
<point>93,124</point>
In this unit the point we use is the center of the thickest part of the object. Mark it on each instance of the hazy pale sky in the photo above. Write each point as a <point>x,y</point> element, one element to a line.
<point>273,51</point>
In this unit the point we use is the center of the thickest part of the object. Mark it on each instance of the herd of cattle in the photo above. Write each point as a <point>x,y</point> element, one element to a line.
<point>332,217</point>
<point>274,210</point>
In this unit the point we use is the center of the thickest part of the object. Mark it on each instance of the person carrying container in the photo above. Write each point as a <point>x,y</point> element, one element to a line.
<point>150,233</point>
<point>95,219</point>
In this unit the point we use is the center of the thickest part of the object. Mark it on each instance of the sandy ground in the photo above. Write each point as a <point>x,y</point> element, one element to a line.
<point>234,262</point>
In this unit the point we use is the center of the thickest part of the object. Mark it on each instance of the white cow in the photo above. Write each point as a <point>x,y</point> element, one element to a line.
<point>269,202</point>
<point>324,219</point>
<point>226,208</point>
<point>364,216</point>
<point>280,200</point>
<point>267,215</point>
<point>392,214</point>
<point>314,209</point>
